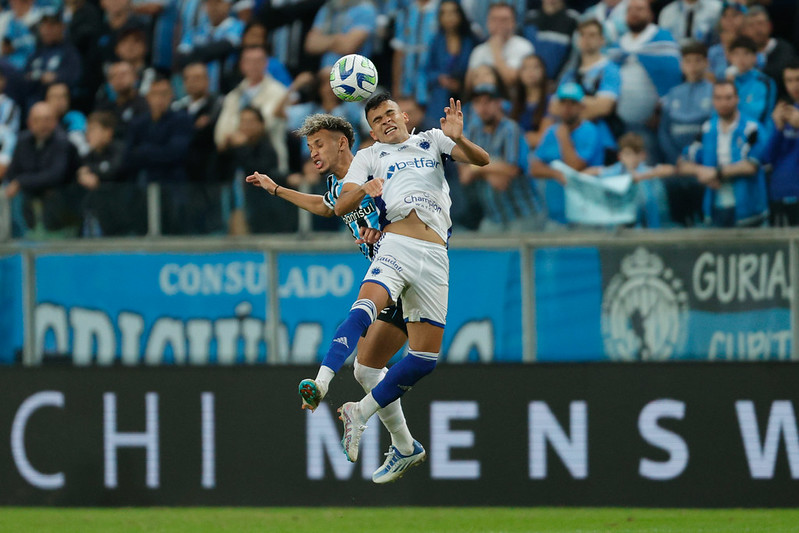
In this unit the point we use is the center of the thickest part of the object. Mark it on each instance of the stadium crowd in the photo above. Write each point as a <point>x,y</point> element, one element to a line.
<point>694,102</point>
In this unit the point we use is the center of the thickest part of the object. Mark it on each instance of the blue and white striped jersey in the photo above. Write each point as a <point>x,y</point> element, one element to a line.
<point>204,33</point>
<point>366,216</point>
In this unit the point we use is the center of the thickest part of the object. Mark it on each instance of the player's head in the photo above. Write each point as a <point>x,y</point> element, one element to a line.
<point>387,122</point>
<point>330,140</point>
<point>725,99</point>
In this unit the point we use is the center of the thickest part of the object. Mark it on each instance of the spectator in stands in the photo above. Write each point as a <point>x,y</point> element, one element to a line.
<point>783,153</point>
<point>255,34</point>
<point>101,175</point>
<point>342,27</point>
<point>531,100</point>
<point>43,162</point>
<point>9,127</point>
<point>682,112</point>
<point>55,60</point>
<point>132,47</point>
<point>726,160</point>
<point>119,17</point>
<point>776,52</point>
<point>601,82</point>
<point>550,29</point>
<point>214,41</point>
<point>691,20</point>
<point>504,49</point>
<point>612,15</point>
<point>447,58</point>
<point>260,91</point>
<point>477,12</point>
<point>757,92</point>
<point>416,22</point>
<point>203,108</point>
<point>505,194</point>
<point>72,121</point>
<point>288,22</point>
<point>84,25</point>
<point>576,142</point>
<point>730,28</point>
<point>165,16</point>
<point>158,141</point>
<point>250,150</point>
<point>17,32</point>
<point>122,98</point>
<point>649,62</point>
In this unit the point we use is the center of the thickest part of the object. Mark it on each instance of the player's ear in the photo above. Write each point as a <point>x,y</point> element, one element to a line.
<point>372,134</point>
<point>405,117</point>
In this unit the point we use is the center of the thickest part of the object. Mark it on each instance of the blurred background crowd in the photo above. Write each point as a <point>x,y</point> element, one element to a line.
<point>696,101</point>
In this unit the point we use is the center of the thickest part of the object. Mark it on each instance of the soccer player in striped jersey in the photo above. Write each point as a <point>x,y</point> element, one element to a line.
<point>330,140</point>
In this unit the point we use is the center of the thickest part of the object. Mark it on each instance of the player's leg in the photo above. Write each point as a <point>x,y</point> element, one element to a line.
<point>371,298</point>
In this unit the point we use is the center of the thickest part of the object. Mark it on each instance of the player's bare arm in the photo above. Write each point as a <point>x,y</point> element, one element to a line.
<point>313,203</point>
<point>352,194</point>
<point>465,150</point>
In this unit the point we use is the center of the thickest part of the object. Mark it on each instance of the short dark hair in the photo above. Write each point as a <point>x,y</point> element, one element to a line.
<point>694,48</point>
<point>105,119</point>
<point>255,111</point>
<point>591,22</point>
<point>742,41</point>
<point>160,77</point>
<point>793,64</point>
<point>722,82</point>
<point>375,101</point>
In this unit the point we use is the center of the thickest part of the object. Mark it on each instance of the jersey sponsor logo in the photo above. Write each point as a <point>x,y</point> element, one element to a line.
<point>358,214</point>
<point>416,162</point>
<point>390,261</point>
<point>403,147</point>
<point>423,200</point>
<point>644,310</point>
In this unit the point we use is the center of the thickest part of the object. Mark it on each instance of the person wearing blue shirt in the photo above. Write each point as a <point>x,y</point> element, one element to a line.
<point>783,154</point>
<point>213,41</point>
<point>416,23</point>
<point>691,20</point>
<point>601,82</point>
<point>17,27</point>
<point>342,27</point>
<point>726,158</point>
<point>730,27</point>
<point>55,59</point>
<point>550,30</point>
<point>612,15</point>
<point>757,92</point>
<point>574,141</point>
<point>504,192</point>
<point>682,112</point>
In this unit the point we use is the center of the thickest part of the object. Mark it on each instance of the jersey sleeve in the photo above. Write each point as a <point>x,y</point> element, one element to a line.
<point>443,144</point>
<point>360,169</point>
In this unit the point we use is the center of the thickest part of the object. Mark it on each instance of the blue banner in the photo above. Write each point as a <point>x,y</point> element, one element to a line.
<point>11,320</point>
<point>662,302</point>
<point>152,308</point>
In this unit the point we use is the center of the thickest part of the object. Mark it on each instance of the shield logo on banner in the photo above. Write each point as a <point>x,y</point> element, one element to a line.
<point>644,310</point>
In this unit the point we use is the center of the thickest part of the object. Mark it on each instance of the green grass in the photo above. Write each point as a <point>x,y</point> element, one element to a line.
<point>388,520</point>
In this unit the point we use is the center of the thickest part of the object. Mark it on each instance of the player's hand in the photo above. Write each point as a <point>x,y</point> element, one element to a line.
<point>262,180</point>
<point>452,121</point>
<point>373,187</point>
<point>369,235</point>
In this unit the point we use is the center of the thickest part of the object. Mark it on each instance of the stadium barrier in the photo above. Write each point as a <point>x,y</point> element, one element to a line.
<point>634,296</point>
<point>615,434</point>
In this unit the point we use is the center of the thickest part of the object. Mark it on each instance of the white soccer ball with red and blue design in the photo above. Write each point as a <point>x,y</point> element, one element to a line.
<point>353,78</point>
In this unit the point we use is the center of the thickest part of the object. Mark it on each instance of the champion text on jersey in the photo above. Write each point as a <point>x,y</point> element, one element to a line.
<point>423,200</point>
<point>358,214</point>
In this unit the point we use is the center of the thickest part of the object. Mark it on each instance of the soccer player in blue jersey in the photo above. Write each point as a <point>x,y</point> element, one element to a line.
<point>330,140</point>
<point>404,173</point>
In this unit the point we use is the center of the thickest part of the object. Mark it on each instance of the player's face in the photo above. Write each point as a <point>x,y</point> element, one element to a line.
<point>791,76</point>
<point>325,148</point>
<point>389,124</point>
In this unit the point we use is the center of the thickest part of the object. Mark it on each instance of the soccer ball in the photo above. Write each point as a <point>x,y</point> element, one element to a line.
<point>353,78</point>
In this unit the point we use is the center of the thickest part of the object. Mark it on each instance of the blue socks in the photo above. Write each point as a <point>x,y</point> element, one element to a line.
<point>361,316</point>
<point>403,375</point>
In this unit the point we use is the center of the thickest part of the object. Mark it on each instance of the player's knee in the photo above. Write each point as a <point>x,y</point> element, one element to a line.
<point>367,376</point>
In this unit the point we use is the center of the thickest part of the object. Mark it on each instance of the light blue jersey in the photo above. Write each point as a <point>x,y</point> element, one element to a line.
<point>204,33</point>
<point>366,216</point>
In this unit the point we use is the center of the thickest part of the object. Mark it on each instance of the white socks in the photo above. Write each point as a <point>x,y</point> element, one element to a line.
<point>392,416</point>
<point>323,378</point>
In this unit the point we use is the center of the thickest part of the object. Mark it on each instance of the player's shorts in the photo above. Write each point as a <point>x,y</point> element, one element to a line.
<point>393,315</point>
<point>415,270</point>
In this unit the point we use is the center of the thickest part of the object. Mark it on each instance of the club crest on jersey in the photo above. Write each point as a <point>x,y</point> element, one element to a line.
<point>376,271</point>
<point>424,145</point>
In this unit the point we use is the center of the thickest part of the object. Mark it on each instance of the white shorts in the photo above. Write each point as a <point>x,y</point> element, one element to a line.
<point>415,270</point>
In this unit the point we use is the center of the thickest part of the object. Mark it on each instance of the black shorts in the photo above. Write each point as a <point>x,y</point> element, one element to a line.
<point>393,315</point>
